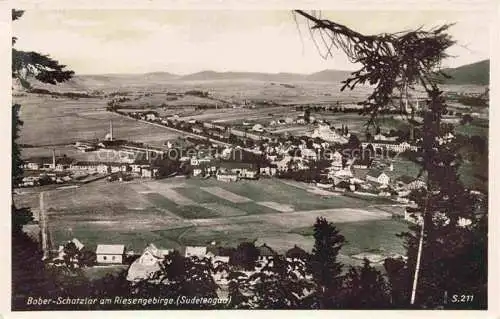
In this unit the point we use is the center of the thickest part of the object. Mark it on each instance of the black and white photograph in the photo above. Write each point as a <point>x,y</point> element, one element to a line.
<point>289,159</point>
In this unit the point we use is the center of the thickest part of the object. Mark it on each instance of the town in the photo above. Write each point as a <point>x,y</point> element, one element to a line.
<point>159,179</point>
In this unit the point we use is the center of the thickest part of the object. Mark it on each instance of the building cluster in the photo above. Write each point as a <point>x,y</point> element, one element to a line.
<point>46,170</point>
<point>282,155</point>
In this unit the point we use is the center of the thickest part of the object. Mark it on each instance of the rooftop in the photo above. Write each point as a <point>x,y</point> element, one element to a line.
<point>236,165</point>
<point>265,250</point>
<point>195,251</point>
<point>110,249</point>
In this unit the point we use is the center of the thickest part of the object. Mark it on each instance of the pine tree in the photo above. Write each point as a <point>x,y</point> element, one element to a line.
<point>397,63</point>
<point>280,284</point>
<point>323,264</point>
<point>28,270</point>
<point>365,288</point>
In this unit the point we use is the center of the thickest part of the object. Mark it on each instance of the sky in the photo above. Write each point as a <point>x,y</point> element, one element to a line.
<point>183,42</point>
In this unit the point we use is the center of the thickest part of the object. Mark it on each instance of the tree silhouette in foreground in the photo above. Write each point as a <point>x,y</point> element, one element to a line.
<point>323,265</point>
<point>28,270</point>
<point>395,64</point>
<point>365,288</point>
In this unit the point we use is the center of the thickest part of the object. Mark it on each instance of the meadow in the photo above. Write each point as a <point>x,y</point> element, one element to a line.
<point>57,121</point>
<point>175,212</point>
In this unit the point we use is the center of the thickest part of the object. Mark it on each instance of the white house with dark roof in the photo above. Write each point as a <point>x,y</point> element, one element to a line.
<point>110,254</point>
<point>149,263</point>
<point>378,176</point>
<point>198,251</point>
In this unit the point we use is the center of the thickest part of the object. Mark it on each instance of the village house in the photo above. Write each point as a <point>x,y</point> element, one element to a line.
<point>150,172</point>
<point>197,129</point>
<point>195,251</point>
<point>30,181</point>
<point>391,146</point>
<point>381,137</point>
<point>243,170</point>
<point>60,251</point>
<point>136,168</point>
<point>309,154</point>
<point>63,164</point>
<point>221,135</point>
<point>150,116</point>
<point>90,167</point>
<point>258,128</point>
<point>336,158</point>
<point>300,120</point>
<point>48,163</point>
<point>217,255</point>
<point>32,165</point>
<point>197,171</point>
<point>446,138</point>
<point>378,176</point>
<point>117,167</point>
<point>225,176</point>
<point>296,253</point>
<point>147,264</point>
<point>361,163</point>
<point>341,175</point>
<point>282,165</point>
<point>268,170</point>
<point>325,133</point>
<point>110,254</point>
<point>409,183</point>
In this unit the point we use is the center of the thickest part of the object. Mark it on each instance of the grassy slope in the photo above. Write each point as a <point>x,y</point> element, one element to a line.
<point>475,73</point>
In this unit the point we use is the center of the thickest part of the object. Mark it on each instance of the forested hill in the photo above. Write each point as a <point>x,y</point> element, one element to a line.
<point>476,73</point>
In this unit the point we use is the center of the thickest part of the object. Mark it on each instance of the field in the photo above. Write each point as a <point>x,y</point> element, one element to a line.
<point>366,236</point>
<point>53,121</point>
<point>177,212</point>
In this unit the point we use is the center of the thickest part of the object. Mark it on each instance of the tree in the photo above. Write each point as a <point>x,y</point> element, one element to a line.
<point>281,284</point>
<point>323,264</point>
<point>245,256</point>
<point>307,115</point>
<point>71,253</point>
<point>180,276</point>
<point>368,137</point>
<point>397,63</point>
<point>354,143</point>
<point>466,119</point>
<point>86,257</point>
<point>28,270</point>
<point>365,288</point>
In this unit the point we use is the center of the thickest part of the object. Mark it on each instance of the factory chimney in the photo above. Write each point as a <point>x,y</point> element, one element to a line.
<point>53,159</point>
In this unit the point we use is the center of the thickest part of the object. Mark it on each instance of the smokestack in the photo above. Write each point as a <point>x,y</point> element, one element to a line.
<point>110,130</point>
<point>53,159</point>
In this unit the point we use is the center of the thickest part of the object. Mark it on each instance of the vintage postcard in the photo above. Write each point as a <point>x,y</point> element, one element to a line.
<point>250,159</point>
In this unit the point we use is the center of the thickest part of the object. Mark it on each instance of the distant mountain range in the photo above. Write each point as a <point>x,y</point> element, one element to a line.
<point>474,73</point>
<point>326,75</point>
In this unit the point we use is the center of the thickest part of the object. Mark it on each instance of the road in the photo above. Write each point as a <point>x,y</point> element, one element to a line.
<point>188,134</point>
